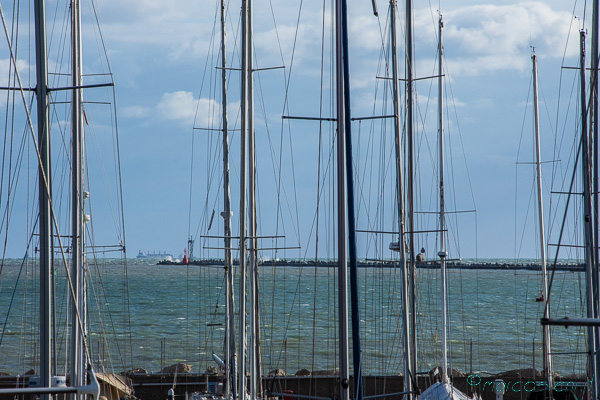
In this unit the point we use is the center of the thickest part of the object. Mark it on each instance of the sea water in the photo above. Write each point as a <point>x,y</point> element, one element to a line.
<point>150,316</point>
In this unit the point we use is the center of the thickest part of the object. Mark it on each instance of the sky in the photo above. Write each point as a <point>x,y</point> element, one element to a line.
<point>157,52</point>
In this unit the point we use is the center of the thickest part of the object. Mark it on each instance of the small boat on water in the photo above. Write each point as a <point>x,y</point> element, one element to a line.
<point>153,255</point>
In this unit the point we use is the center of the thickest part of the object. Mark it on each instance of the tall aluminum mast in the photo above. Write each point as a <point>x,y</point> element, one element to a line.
<point>45,219</point>
<point>542,235</point>
<point>442,253</point>
<point>340,9</point>
<point>401,248</point>
<point>243,164</point>
<point>78,206</point>
<point>410,211</point>
<point>590,262</point>
<point>254,358</point>
<point>595,165</point>
<point>227,214</point>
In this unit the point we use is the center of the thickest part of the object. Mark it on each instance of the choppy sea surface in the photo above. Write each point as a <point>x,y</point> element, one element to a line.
<point>149,316</point>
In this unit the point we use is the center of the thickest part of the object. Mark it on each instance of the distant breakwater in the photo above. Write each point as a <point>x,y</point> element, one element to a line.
<point>575,267</point>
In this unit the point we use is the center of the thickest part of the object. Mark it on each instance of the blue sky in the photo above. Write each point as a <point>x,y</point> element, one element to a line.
<point>158,55</point>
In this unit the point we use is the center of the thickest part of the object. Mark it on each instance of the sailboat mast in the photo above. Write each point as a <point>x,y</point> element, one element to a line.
<point>588,233</point>
<point>546,328</point>
<point>594,120</point>
<point>252,239</point>
<point>226,214</point>
<point>77,201</point>
<point>442,253</point>
<point>351,220</point>
<point>340,8</point>
<point>243,164</point>
<point>410,188</point>
<point>43,117</point>
<point>595,165</point>
<point>400,197</point>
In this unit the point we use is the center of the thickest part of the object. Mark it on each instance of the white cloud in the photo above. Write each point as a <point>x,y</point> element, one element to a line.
<point>365,32</point>
<point>172,30</point>
<point>178,106</point>
<point>478,38</point>
<point>6,65</point>
<point>135,111</point>
<point>181,106</point>
<point>490,37</point>
<point>25,70</point>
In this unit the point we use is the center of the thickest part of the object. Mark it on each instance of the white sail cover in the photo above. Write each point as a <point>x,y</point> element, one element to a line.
<point>444,391</point>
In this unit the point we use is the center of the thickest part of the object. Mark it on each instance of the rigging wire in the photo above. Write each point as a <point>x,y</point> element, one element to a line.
<point>56,213</point>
